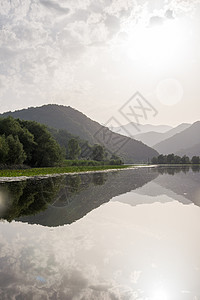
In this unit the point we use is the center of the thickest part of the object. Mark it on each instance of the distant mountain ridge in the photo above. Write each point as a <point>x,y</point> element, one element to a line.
<point>152,138</point>
<point>180,142</point>
<point>131,129</point>
<point>78,124</point>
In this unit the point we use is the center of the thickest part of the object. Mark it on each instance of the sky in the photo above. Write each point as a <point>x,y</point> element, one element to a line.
<point>95,55</point>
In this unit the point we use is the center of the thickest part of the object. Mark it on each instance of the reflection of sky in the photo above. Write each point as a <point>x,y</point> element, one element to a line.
<point>115,252</point>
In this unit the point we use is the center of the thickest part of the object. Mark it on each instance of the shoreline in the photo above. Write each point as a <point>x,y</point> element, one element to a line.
<point>38,177</point>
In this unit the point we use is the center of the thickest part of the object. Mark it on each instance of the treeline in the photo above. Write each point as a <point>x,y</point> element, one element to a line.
<point>76,148</point>
<point>33,144</point>
<point>27,142</point>
<point>86,154</point>
<point>175,159</point>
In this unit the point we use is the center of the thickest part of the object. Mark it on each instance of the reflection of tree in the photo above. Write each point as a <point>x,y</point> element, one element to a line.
<point>62,200</point>
<point>195,168</point>
<point>33,196</point>
<point>173,170</point>
<point>99,178</point>
<point>30,197</point>
<point>71,186</point>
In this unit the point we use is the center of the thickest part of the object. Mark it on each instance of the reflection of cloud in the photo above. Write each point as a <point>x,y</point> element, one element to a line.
<point>58,264</point>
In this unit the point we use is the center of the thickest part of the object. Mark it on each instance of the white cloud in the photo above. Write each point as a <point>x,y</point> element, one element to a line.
<point>45,45</point>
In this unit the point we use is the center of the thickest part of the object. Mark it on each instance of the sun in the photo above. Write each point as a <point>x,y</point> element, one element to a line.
<point>169,91</point>
<point>157,46</point>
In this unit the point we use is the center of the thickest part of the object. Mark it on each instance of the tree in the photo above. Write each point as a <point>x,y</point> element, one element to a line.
<point>3,149</point>
<point>170,158</point>
<point>98,153</point>
<point>74,149</point>
<point>27,142</point>
<point>185,160</point>
<point>161,159</point>
<point>27,139</point>
<point>16,154</point>
<point>115,160</point>
<point>86,150</point>
<point>45,150</point>
<point>177,159</point>
<point>195,160</point>
<point>154,160</point>
<point>11,126</point>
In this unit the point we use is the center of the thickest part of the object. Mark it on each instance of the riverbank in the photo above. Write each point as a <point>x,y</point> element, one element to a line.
<point>17,175</point>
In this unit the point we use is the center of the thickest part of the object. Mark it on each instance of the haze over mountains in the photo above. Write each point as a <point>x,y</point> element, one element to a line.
<point>183,142</point>
<point>132,130</point>
<point>152,138</point>
<point>78,124</point>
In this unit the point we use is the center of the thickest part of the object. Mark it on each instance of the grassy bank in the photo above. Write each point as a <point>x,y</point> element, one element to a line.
<point>57,170</point>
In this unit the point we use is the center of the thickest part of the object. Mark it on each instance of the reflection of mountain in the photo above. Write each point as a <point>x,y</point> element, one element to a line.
<point>181,184</point>
<point>150,193</point>
<point>65,199</point>
<point>83,194</point>
<point>185,184</point>
<point>153,189</point>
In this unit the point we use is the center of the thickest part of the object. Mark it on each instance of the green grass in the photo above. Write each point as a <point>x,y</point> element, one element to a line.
<point>56,170</point>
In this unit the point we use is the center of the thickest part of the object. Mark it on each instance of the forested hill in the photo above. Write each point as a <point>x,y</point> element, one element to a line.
<point>78,124</point>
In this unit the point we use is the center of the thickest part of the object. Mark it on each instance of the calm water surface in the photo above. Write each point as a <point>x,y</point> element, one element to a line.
<point>133,234</point>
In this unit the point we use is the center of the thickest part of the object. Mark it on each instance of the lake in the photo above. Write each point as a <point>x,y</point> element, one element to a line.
<point>131,234</point>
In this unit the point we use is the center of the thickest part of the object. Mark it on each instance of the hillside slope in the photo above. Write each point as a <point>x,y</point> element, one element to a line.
<point>180,141</point>
<point>152,138</point>
<point>190,151</point>
<point>131,130</point>
<point>78,124</point>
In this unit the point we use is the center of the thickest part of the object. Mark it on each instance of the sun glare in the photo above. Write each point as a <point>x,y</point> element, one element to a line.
<point>157,46</point>
<point>160,294</point>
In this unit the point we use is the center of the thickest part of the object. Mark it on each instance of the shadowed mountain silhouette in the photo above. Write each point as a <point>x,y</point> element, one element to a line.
<point>78,124</point>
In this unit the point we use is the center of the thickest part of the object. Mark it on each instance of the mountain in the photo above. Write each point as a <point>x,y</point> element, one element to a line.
<point>152,138</point>
<point>180,141</point>
<point>191,151</point>
<point>131,129</point>
<point>78,124</point>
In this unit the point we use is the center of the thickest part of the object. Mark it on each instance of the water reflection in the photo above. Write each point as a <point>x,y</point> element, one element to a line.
<point>143,243</point>
<point>63,200</point>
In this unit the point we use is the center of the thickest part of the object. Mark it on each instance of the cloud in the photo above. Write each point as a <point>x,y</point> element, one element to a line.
<point>113,24</point>
<point>42,42</point>
<point>55,6</point>
<point>155,20</point>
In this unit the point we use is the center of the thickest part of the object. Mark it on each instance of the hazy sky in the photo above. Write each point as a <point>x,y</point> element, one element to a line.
<point>95,54</point>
